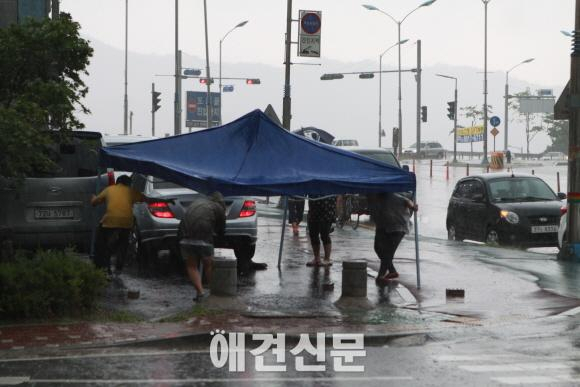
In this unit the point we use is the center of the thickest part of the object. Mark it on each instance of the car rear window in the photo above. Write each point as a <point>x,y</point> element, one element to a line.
<point>162,184</point>
<point>77,156</point>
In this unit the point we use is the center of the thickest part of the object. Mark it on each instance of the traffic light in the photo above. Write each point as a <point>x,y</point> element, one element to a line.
<point>253,81</point>
<point>424,113</point>
<point>203,81</point>
<point>330,77</point>
<point>451,110</point>
<point>366,75</point>
<point>155,101</point>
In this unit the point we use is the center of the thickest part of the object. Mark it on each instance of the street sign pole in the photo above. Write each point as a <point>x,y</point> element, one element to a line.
<point>287,100</point>
<point>573,232</point>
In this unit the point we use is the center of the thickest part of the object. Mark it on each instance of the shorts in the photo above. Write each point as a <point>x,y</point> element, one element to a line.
<point>195,249</point>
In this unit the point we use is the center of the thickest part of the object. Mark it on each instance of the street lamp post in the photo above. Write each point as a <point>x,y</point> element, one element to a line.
<point>506,114</point>
<point>220,82</point>
<point>126,99</point>
<point>484,160</point>
<point>454,116</point>
<point>381,86</point>
<point>399,22</point>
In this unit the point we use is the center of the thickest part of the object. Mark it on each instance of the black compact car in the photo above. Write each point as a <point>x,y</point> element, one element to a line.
<point>504,209</point>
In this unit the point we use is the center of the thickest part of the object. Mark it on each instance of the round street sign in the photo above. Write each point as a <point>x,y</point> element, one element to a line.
<point>494,121</point>
<point>311,23</point>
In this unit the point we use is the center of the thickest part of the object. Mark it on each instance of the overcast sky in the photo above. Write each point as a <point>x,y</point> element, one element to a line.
<point>451,30</point>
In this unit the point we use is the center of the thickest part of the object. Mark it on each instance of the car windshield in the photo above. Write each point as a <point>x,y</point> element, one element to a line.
<point>520,189</point>
<point>384,157</point>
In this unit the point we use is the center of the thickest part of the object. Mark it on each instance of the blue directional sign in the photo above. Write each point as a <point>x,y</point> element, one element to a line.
<point>228,88</point>
<point>311,23</point>
<point>197,109</point>
<point>494,121</point>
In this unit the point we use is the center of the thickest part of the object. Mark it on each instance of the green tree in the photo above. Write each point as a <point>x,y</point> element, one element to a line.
<point>475,113</point>
<point>41,88</point>
<point>558,133</point>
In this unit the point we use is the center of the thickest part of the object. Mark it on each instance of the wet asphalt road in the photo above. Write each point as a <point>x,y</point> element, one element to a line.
<point>545,355</point>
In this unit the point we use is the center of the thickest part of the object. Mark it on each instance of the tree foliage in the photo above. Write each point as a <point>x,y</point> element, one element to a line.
<point>41,88</point>
<point>475,113</point>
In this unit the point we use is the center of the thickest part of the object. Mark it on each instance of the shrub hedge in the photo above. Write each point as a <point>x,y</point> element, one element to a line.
<point>50,284</point>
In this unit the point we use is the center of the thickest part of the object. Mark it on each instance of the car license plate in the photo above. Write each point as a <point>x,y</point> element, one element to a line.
<point>54,213</point>
<point>544,229</point>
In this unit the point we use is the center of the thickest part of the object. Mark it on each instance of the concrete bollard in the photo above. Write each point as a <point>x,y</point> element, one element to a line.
<point>354,279</point>
<point>224,278</point>
<point>558,180</point>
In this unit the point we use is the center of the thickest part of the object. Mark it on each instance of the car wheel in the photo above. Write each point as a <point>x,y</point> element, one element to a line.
<point>245,252</point>
<point>134,247</point>
<point>440,155</point>
<point>452,233</point>
<point>492,237</point>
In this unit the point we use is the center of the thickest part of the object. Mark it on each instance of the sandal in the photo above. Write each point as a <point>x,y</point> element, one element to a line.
<point>326,263</point>
<point>314,263</point>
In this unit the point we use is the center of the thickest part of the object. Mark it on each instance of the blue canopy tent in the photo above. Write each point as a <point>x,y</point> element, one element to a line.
<point>254,156</point>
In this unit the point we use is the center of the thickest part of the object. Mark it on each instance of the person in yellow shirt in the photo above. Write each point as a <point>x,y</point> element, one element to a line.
<point>116,224</point>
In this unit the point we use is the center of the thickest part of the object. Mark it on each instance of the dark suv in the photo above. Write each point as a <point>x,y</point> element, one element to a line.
<point>501,208</point>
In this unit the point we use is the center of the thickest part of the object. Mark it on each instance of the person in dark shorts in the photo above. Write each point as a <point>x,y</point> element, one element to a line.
<point>391,213</point>
<point>295,212</point>
<point>204,220</point>
<point>321,215</point>
<point>115,226</point>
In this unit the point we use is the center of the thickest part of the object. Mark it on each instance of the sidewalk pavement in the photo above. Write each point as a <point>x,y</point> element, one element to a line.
<point>297,299</point>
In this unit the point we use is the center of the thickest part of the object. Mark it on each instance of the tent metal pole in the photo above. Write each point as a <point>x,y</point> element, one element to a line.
<point>417,260</point>
<point>283,230</point>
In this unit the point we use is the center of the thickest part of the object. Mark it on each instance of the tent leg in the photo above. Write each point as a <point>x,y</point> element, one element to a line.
<point>417,260</point>
<point>283,230</point>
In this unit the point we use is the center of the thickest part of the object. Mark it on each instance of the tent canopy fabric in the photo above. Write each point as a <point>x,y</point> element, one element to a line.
<point>254,156</point>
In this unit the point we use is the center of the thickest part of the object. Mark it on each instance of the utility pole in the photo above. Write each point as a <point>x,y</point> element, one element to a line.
<point>131,122</point>
<point>177,97</point>
<point>573,232</point>
<point>208,75</point>
<point>455,126</point>
<point>126,99</point>
<point>55,9</point>
<point>287,101</point>
<point>484,160</point>
<point>418,100</point>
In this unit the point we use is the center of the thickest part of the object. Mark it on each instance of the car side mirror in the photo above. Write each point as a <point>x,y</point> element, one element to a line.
<point>561,195</point>
<point>478,197</point>
<point>406,167</point>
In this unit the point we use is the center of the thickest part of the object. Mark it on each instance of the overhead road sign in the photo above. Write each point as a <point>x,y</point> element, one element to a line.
<point>197,109</point>
<point>309,33</point>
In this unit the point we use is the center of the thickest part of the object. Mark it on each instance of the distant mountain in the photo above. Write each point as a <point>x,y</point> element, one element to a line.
<point>347,108</point>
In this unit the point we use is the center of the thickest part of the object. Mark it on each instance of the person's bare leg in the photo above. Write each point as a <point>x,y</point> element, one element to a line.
<point>316,260</point>
<point>327,251</point>
<point>207,268</point>
<point>193,273</point>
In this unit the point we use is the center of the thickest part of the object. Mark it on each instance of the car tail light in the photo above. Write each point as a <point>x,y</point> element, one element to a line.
<point>111,177</point>
<point>563,210</point>
<point>160,210</point>
<point>248,209</point>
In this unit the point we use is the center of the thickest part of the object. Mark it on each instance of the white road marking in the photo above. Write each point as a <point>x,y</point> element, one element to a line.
<point>458,358</point>
<point>232,380</point>
<point>103,355</point>
<point>13,380</point>
<point>520,380</point>
<point>515,367</point>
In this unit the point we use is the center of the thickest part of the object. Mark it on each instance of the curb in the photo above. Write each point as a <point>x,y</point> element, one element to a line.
<point>372,339</point>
